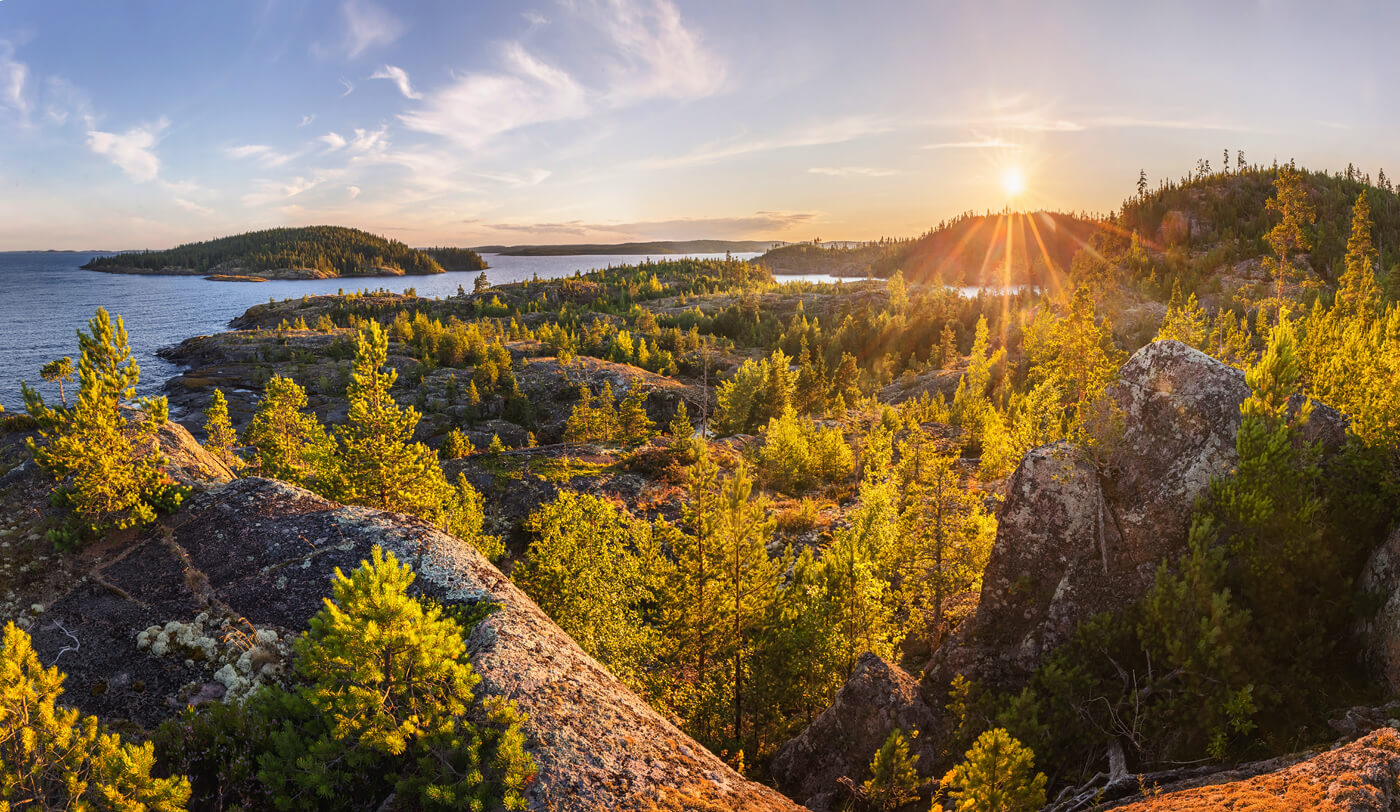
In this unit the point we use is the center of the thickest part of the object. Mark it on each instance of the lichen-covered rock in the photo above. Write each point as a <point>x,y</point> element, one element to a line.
<point>265,551</point>
<point>1077,538</point>
<point>878,698</point>
<point>1361,776</point>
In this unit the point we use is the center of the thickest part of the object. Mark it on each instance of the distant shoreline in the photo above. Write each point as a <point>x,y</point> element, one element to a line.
<point>658,248</point>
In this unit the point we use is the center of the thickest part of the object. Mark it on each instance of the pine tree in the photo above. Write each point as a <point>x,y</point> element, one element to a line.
<point>381,466</point>
<point>1079,357</point>
<point>893,781</point>
<point>288,442</point>
<point>387,692</point>
<point>947,346</point>
<point>219,435</point>
<point>58,372</point>
<point>1184,321</point>
<point>1289,236</point>
<point>1357,290</point>
<point>92,450</point>
<point>457,445</point>
<point>997,775</point>
<point>635,427</point>
<point>52,757</point>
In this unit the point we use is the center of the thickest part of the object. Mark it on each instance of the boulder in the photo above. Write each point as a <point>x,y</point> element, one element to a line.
<point>263,552</point>
<point>877,699</point>
<point>1078,537</point>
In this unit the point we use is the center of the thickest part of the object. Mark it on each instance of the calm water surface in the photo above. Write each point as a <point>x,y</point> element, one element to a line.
<point>46,297</point>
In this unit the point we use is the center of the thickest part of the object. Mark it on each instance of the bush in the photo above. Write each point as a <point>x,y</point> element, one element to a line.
<point>797,455</point>
<point>996,775</point>
<point>52,757</point>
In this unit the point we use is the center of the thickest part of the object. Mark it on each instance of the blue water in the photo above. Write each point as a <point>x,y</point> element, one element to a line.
<point>45,298</point>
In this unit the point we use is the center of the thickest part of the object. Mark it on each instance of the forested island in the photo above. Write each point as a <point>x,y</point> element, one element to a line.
<point>677,535</point>
<point>308,252</point>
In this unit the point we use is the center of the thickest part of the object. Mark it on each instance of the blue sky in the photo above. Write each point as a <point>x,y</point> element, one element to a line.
<point>143,124</point>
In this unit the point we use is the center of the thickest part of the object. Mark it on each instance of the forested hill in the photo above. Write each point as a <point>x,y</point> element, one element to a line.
<point>658,248</point>
<point>322,250</point>
<point>971,249</point>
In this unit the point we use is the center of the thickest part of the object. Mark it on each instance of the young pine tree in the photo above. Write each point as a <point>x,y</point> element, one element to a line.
<point>894,781</point>
<point>386,691</point>
<point>288,442</point>
<point>635,427</point>
<point>52,757</point>
<point>1357,291</point>
<point>1289,236</point>
<point>220,437</point>
<point>997,775</point>
<point>92,450</point>
<point>58,371</point>
<point>1185,321</point>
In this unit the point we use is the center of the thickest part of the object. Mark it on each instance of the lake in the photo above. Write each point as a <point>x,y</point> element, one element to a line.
<point>45,297</point>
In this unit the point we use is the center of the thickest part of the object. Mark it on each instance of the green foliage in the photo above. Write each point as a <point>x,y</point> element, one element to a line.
<point>635,427</point>
<point>593,420</point>
<point>970,402</point>
<point>1290,236</point>
<point>219,435</point>
<point>1033,419</point>
<point>457,445</point>
<point>797,454</point>
<point>58,371</point>
<point>893,780</point>
<point>1078,357</point>
<point>997,775</point>
<point>288,442</point>
<point>759,391</point>
<point>52,757</point>
<point>93,450</point>
<point>456,259</point>
<point>1185,321</point>
<point>593,569</point>
<point>1357,289</point>
<point>331,250</point>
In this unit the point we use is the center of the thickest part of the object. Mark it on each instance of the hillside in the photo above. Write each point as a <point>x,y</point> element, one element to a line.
<point>309,252</point>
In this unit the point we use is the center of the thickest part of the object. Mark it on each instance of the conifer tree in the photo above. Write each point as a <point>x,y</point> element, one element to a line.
<point>1357,290</point>
<point>947,346</point>
<point>893,781</point>
<point>1290,235</point>
<point>1079,357</point>
<point>997,775</point>
<point>58,371</point>
<point>635,427</point>
<point>288,442</point>
<point>92,450</point>
<point>52,757</point>
<point>457,445</point>
<point>219,435</point>
<point>386,695</point>
<point>1185,321</point>
<point>749,579</point>
<point>970,403</point>
<point>381,466</point>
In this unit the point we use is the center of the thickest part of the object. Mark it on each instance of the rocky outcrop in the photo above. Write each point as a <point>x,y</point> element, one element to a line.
<point>1362,776</point>
<point>1079,537</point>
<point>877,699</point>
<point>1380,635</point>
<point>262,552</point>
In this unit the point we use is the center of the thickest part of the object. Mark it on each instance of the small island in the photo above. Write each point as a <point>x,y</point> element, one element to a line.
<point>308,252</point>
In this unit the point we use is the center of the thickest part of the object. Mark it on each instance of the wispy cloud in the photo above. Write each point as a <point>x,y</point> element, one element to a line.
<point>480,106</point>
<point>399,77</point>
<point>758,225</point>
<point>275,191</point>
<point>189,205</point>
<point>332,140</point>
<point>836,131</point>
<point>348,85</point>
<point>352,191</point>
<point>852,171</point>
<point>306,119</point>
<point>656,54</point>
<point>975,143</point>
<point>133,150</point>
<point>13,77</point>
<point>367,26</point>
<point>265,155</point>
<point>646,50</point>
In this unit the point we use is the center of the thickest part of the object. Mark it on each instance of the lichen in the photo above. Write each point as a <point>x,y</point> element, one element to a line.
<point>240,656</point>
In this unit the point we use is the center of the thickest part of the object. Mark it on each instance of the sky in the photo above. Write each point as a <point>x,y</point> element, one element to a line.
<point>141,124</point>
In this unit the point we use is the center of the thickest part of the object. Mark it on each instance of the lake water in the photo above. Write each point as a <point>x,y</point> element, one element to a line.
<point>46,297</point>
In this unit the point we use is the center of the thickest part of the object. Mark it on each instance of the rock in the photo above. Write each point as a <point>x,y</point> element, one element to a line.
<point>265,551</point>
<point>1075,539</point>
<point>878,698</point>
<point>186,460</point>
<point>1362,776</point>
<point>1380,635</point>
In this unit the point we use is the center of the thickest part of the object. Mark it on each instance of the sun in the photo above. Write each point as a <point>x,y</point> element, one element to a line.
<point>1012,181</point>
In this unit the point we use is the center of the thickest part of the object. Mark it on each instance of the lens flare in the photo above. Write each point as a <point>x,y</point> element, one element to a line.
<point>1012,181</point>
